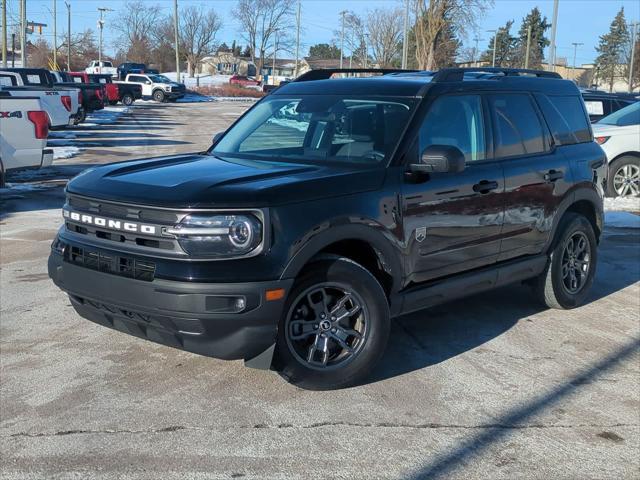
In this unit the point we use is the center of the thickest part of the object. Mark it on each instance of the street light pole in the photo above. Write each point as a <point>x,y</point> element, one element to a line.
<point>275,54</point>
<point>526,56</point>
<point>634,35</point>
<point>405,39</point>
<point>23,32</point>
<point>343,13</point>
<point>495,38</point>
<point>101,25</point>
<point>55,35</point>
<point>175,38</point>
<point>554,28</point>
<point>68,5</point>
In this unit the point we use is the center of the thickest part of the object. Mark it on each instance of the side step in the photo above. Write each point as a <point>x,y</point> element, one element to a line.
<point>441,291</point>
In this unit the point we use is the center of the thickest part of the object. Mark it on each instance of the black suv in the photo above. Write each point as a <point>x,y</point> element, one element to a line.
<point>334,205</point>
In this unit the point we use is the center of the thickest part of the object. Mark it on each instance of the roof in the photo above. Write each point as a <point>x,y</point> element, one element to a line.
<point>417,83</point>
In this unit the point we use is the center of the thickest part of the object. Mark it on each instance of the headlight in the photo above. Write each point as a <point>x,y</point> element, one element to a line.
<point>168,89</point>
<point>222,236</point>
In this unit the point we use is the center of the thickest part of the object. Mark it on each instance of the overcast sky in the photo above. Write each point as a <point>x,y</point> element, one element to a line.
<point>578,20</point>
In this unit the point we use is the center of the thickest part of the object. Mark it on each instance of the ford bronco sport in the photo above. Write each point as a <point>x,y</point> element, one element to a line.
<point>334,205</point>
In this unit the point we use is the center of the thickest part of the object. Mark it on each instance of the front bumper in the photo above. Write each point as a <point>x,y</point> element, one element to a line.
<point>183,315</point>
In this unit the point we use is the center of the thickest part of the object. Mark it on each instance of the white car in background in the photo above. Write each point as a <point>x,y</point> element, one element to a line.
<point>619,136</point>
<point>102,68</point>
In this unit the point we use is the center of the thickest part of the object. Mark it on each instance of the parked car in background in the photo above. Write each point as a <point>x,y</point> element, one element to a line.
<point>619,136</point>
<point>125,69</point>
<point>104,67</point>
<point>111,94</point>
<point>23,136</point>
<point>60,103</point>
<point>158,87</point>
<point>117,91</point>
<point>93,94</point>
<point>601,104</point>
<point>244,81</point>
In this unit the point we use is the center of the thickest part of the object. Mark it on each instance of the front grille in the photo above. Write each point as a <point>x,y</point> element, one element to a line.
<point>111,263</point>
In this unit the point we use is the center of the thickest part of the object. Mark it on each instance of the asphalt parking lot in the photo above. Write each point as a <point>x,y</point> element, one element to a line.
<point>492,386</point>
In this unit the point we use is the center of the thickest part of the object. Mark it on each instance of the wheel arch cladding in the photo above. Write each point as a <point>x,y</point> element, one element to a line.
<point>361,244</point>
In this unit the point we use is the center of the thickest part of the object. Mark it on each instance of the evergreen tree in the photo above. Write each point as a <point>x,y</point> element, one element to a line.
<point>539,42</point>
<point>324,51</point>
<point>506,48</point>
<point>611,50</point>
<point>247,52</point>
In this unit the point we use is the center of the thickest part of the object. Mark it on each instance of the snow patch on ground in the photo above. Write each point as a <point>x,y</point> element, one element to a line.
<point>65,152</point>
<point>622,204</point>
<point>105,116</point>
<point>25,187</point>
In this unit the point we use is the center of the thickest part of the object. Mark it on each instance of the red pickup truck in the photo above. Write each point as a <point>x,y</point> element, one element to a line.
<point>243,81</point>
<point>110,88</point>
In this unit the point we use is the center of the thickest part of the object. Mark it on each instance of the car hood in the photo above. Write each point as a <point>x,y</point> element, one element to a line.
<point>205,181</point>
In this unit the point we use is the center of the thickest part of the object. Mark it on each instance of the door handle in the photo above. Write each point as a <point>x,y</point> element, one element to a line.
<point>553,175</point>
<point>485,186</point>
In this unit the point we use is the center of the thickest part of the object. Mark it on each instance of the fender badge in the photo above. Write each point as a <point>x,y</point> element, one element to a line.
<point>421,234</point>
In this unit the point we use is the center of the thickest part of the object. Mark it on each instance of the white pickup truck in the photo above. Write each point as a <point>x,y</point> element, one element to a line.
<point>61,104</point>
<point>156,86</point>
<point>23,136</point>
<point>103,67</point>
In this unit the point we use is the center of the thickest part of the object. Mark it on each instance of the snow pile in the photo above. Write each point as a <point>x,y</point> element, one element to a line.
<point>622,204</point>
<point>65,152</point>
<point>107,115</point>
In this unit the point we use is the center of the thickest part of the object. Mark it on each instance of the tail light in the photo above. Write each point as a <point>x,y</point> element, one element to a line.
<point>41,123</point>
<point>66,101</point>
<point>601,140</point>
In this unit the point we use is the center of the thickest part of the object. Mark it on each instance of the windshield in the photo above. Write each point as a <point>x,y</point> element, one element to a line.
<point>629,115</point>
<point>319,128</point>
<point>159,79</point>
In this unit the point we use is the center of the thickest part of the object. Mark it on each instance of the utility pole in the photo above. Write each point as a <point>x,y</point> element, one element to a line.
<point>175,38</point>
<point>405,39</point>
<point>476,58</point>
<point>343,13</point>
<point>575,49</point>
<point>275,54</point>
<point>55,35</point>
<point>351,56</point>
<point>23,32</point>
<point>295,73</point>
<point>68,5</point>
<point>526,56</point>
<point>13,50</point>
<point>366,50</point>
<point>495,38</point>
<point>554,28</point>
<point>634,36</point>
<point>4,33</point>
<point>101,26</point>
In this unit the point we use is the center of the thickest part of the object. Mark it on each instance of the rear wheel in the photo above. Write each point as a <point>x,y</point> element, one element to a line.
<point>335,326</point>
<point>127,99</point>
<point>624,177</point>
<point>566,281</point>
<point>158,96</point>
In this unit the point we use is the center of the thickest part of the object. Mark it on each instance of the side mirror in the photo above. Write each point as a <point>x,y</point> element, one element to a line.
<point>148,82</point>
<point>217,137</point>
<point>440,159</point>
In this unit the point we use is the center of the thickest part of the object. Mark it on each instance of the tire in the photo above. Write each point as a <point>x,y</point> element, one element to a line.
<point>2,176</point>
<point>127,99</point>
<point>624,177</point>
<point>82,116</point>
<point>552,288</point>
<point>308,352</point>
<point>159,96</point>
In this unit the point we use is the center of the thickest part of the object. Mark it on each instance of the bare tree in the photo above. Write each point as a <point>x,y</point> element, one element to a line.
<point>261,21</point>
<point>355,39</point>
<point>136,26</point>
<point>433,17</point>
<point>385,34</point>
<point>198,30</point>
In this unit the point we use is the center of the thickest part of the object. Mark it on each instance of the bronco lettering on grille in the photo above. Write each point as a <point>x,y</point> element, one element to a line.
<point>109,223</point>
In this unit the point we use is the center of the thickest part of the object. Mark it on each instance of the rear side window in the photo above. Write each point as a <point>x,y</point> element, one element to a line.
<point>568,122</point>
<point>518,130</point>
<point>7,81</point>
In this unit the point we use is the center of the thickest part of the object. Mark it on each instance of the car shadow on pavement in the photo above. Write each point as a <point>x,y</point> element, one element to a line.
<point>506,424</point>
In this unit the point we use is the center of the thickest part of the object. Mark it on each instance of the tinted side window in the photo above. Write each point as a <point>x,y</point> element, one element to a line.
<point>517,128</point>
<point>456,120</point>
<point>566,117</point>
<point>137,78</point>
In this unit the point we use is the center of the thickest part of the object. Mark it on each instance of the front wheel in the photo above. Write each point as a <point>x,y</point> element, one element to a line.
<point>127,99</point>
<point>624,177</point>
<point>335,326</point>
<point>158,96</point>
<point>566,281</point>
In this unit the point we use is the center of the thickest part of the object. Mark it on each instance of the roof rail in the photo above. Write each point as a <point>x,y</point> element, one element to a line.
<point>457,74</point>
<point>326,73</point>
